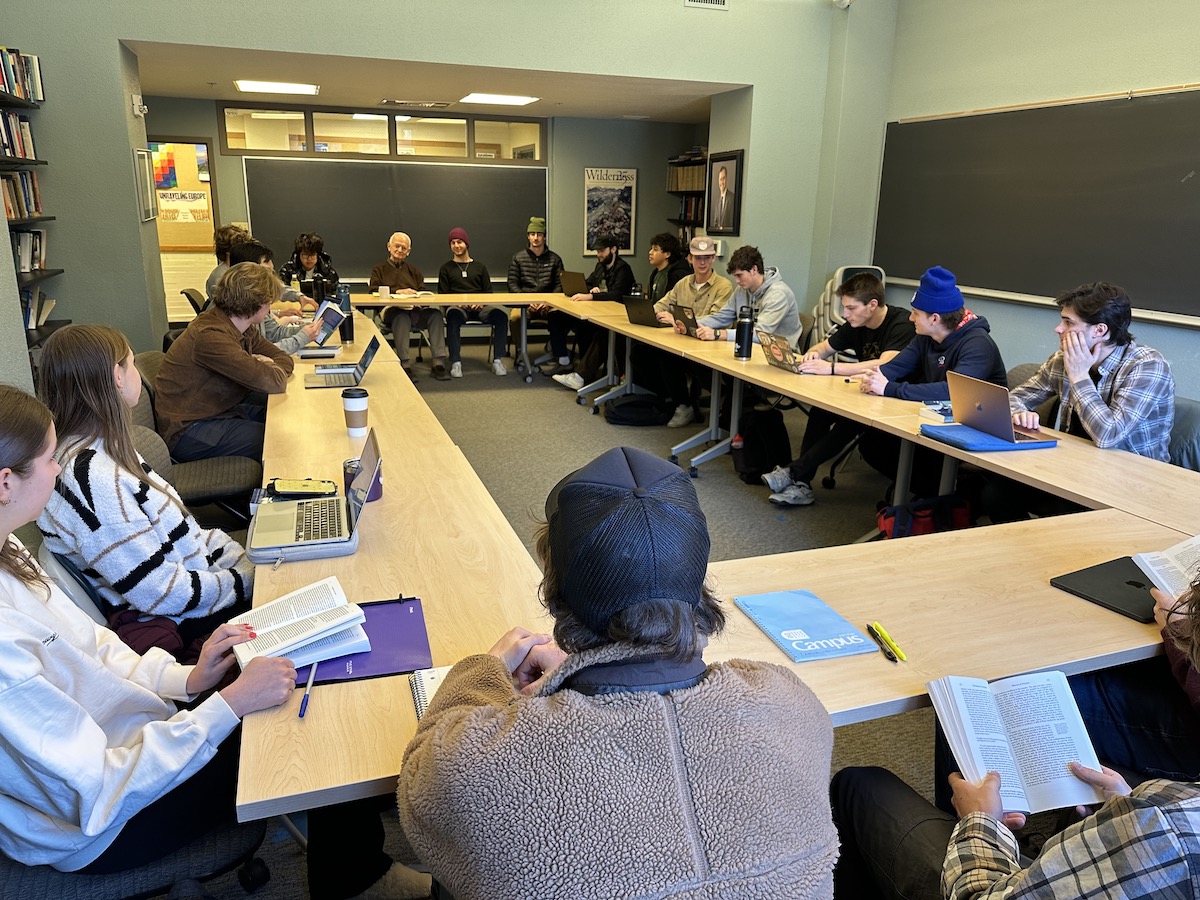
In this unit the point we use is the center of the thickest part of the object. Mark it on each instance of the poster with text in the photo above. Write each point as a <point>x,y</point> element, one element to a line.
<point>610,205</point>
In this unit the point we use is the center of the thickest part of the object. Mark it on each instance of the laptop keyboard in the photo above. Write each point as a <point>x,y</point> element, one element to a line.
<point>345,379</point>
<point>319,520</point>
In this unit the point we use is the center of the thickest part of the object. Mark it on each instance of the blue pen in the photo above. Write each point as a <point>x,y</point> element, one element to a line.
<point>312,674</point>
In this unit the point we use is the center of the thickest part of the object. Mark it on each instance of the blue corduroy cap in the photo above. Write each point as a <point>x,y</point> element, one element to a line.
<point>624,529</point>
<point>938,292</point>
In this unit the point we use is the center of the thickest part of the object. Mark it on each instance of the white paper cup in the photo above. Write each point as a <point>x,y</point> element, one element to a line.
<point>384,290</point>
<point>354,405</point>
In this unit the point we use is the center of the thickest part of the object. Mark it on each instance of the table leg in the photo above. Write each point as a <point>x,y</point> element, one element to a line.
<point>523,352</point>
<point>714,432</point>
<point>949,476</point>
<point>904,472</point>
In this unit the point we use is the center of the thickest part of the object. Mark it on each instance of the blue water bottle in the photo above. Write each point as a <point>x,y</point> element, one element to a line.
<point>346,329</point>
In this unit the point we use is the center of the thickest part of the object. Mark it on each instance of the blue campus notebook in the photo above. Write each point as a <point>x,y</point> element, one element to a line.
<point>967,438</point>
<point>804,626</point>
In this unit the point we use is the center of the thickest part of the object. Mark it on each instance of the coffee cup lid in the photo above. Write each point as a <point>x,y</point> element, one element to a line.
<point>354,393</point>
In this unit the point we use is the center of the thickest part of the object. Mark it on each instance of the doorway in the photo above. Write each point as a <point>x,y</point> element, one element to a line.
<point>187,213</point>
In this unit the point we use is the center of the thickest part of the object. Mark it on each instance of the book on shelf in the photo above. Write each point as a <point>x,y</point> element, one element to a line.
<point>44,310</point>
<point>311,624</point>
<point>22,74</point>
<point>1172,570</point>
<point>1027,728</point>
<point>424,684</point>
<point>803,626</point>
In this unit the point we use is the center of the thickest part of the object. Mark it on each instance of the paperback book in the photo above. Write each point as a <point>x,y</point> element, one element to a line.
<point>311,624</point>
<point>1172,570</point>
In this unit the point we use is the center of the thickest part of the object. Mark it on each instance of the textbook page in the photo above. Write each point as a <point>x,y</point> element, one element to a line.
<point>296,619</point>
<point>1172,570</point>
<point>1046,732</point>
<point>976,734</point>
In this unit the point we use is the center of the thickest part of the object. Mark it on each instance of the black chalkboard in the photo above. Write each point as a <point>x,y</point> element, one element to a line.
<point>1037,201</point>
<point>356,206</point>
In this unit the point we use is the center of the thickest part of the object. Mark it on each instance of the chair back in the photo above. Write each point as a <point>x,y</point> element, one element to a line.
<point>1185,434</point>
<point>148,362</point>
<point>143,413</point>
<point>73,583</point>
<point>154,451</point>
<point>196,298</point>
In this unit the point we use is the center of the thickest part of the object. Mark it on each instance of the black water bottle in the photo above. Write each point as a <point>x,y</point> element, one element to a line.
<point>346,329</point>
<point>743,336</point>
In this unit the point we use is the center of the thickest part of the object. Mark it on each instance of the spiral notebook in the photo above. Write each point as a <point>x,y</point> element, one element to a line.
<point>424,684</point>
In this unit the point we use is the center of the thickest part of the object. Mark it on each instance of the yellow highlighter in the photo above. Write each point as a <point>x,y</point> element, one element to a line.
<point>888,640</point>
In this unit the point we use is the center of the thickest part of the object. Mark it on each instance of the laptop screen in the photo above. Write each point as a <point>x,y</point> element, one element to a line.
<point>368,355</point>
<point>364,481</point>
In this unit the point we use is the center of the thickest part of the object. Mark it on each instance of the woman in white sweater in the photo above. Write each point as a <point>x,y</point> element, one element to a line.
<point>98,767</point>
<point>117,519</point>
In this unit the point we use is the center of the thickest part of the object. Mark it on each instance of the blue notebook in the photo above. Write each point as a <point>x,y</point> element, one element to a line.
<point>967,438</point>
<point>804,626</point>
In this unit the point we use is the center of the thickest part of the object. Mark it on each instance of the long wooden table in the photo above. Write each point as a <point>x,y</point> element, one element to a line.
<point>435,533</point>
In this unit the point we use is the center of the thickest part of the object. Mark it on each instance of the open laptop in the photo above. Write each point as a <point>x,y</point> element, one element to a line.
<point>984,406</point>
<point>574,283</point>
<point>640,311</point>
<point>1119,585</point>
<point>332,375</point>
<point>317,528</point>
<point>778,351</point>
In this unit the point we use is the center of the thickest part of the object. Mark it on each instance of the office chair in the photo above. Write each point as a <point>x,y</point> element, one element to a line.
<point>196,299</point>
<point>74,584</point>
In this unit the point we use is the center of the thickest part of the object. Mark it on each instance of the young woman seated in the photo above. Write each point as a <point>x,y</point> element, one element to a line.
<point>168,581</point>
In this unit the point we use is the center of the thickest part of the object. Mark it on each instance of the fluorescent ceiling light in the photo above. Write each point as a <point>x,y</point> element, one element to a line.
<point>276,115</point>
<point>362,117</point>
<point>499,99</point>
<point>402,118</point>
<point>276,87</point>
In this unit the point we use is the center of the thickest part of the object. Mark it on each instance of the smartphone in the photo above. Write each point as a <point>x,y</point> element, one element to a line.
<point>302,487</point>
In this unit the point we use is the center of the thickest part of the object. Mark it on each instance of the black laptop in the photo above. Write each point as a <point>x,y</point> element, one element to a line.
<point>641,312</point>
<point>1119,585</point>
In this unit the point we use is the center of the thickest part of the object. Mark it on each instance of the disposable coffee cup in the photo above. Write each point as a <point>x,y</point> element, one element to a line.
<point>354,404</point>
<point>384,290</point>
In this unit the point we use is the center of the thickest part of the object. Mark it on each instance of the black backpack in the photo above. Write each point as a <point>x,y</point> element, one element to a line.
<point>760,444</point>
<point>638,409</point>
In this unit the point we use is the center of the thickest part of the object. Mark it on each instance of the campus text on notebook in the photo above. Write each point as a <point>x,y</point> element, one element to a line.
<point>803,626</point>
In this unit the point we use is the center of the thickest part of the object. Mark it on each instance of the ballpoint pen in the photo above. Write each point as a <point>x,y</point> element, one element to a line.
<point>887,638</point>
<point>312,674</point>
<point>884,648</point>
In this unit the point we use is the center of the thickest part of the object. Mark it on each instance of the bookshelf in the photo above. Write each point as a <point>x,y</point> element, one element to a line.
<point>685,179</point>
<point>21,94</point>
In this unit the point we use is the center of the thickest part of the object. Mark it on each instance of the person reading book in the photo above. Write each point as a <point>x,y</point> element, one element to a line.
<point>168,581</point>
<point>628,767</point>
<point>102,769</point>
<point>403,279</point>
<point>1139,843</point>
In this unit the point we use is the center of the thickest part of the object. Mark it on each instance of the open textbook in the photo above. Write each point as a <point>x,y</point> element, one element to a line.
<point>311,624</point>
<point>1027,728</point>
<point>1172,570</point>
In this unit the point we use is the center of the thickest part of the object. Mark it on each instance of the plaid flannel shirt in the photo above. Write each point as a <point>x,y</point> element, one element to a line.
<point>1130,408</point>
<point>1145,845</point>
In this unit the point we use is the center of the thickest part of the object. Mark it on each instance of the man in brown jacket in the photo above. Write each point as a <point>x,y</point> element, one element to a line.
<point>209,390</point>
<point>629,768</point>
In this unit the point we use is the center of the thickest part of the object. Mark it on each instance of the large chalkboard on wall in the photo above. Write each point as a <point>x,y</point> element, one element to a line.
<point>1037,201</point>
<point>355,206</point>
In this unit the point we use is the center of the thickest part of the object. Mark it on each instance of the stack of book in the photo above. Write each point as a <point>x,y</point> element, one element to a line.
<point>29,249</point>
<point>22,197</point>
<point>21,74</point>
<point>16,139</point>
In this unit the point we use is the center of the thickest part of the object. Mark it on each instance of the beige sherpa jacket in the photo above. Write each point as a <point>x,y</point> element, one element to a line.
<point>718,790</point>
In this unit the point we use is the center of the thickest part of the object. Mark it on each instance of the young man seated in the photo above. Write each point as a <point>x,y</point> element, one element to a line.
<point>874,332</point>
<point>210,388</point>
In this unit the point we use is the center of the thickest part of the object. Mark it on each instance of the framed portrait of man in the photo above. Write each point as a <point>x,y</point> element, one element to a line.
<point>725,192</point>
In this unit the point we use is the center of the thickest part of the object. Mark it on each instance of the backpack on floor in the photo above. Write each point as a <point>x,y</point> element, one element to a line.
<point>946,513</point>
<point>760,444</point>
<point>638,409</point>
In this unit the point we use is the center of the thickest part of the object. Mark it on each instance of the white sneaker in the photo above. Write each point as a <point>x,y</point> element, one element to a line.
<point>798,494</point>
<point>456,370</point>
<point>498,368</point>
<point>778,479</point>
<point>572,380</point>
<point>684,415</point>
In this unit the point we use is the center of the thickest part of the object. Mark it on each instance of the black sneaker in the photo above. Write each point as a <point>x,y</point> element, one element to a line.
<point>557,368</point>
<point>440,372</point>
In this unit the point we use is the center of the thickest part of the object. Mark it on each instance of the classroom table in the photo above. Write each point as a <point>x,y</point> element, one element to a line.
<point>975,602</point>
<point>435,533</point>
<point>517,301</point>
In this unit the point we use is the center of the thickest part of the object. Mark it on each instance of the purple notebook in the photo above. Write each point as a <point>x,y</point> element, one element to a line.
<point>399,644</point>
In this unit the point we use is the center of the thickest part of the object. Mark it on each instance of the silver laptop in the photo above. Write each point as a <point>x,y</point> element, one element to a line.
<point>342,378</point>
<point>574,283</point>
<point>318,528</point>
<point>984,406</point>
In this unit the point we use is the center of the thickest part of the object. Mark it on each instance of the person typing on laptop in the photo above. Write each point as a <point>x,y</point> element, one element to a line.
<point>875,333</point>
<point>209,389</point>
<point>612,279</point>
<point>1105,387</point>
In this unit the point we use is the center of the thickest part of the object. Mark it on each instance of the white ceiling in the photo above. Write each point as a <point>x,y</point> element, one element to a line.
<point>183,70</point>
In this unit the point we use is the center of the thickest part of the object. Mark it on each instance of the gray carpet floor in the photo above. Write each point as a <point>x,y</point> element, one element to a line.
<point>521,439</point>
